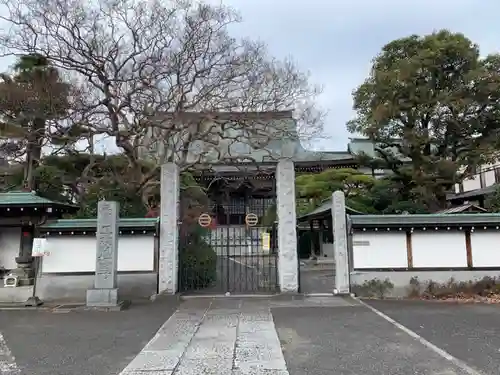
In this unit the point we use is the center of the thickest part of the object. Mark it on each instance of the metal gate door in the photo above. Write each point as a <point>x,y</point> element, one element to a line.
<point>228,249</point>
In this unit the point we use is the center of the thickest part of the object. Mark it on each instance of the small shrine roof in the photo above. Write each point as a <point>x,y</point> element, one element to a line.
<point>21,198</point>
<point>129,225</point>
<point>324,211</point>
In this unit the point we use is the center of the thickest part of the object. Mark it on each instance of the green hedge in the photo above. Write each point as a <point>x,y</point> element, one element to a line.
<point>197,265</point>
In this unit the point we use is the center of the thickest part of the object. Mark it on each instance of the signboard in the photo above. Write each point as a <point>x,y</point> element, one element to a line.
<point>251,220</point>
<point>204,220</point>
<point>361,243</point>
<point>266,242</point>
<point>39,248</point>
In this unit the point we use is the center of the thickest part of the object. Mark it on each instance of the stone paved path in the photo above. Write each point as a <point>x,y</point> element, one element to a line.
<point>219,337</point>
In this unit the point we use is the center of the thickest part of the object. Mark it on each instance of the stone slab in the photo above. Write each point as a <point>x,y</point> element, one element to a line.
<point>169,215</point>
<point>102,297</point>
<point>259,371</point>
<point>287,227</point>
<point>209,366</point>
<point>214,338</point>
<point>209,348</point>
<point>157,360</point>
<point>258,346</point>
<point>154,372</point>
<point>340,243</point>
<point>107,245</point>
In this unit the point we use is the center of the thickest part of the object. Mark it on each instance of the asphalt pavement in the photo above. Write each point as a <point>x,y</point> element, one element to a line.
<point>351,339</point>
<point>81,342</point>
<point>314,336</point>
<point>469,332</point>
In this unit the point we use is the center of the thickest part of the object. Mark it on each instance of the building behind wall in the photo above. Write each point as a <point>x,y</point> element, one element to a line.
<point>476,188</point>
<point>242,165</point>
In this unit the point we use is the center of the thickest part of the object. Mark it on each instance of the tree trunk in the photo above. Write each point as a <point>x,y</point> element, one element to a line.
<point>35,137</point>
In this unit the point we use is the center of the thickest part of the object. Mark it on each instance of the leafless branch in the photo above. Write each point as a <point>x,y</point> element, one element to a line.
<point>166,79</point>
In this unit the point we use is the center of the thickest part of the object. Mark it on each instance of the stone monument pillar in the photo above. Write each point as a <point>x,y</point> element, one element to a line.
<point>339,221</point>
<point>288,266</point>
<point>105,291</point>
<point>169,231</point>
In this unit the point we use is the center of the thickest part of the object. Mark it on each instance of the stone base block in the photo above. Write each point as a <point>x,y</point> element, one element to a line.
<point>33,302</point>
<point>122,305</point>
<point>15,295</point>
<point>102,297</point>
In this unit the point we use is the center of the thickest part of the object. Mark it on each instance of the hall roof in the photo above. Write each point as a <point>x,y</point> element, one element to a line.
<point>324,211</point>
<point>20,198</point>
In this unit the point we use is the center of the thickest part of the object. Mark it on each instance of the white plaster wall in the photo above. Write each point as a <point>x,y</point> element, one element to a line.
<point>10,240</point>
<point>439,249</point>
<point>430,249</point>
<point>472,183</point>
<point>77,254</point>
<point>379,250</point>
<point>489,177</point>
<point>484,247</point>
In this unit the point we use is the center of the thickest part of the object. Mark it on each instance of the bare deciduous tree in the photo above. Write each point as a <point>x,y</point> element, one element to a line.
<point>166,69</point>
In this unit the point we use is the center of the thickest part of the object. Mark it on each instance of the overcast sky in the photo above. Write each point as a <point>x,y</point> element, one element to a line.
<point>336,39</point>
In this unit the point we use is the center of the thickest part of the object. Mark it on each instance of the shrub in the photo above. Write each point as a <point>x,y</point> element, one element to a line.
<point>374,288</point>
<point>452,289</point>
<point>197,264</point>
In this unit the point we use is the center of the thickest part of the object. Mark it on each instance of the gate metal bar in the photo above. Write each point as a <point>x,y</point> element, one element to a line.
<point>229,255</point>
